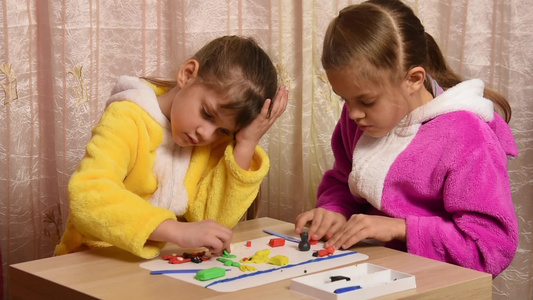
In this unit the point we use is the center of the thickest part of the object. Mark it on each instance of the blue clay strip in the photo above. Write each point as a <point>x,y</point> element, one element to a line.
<point>284,267</point>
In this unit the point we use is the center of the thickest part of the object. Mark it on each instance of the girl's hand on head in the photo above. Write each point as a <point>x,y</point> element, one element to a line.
<point>248,137</point>
<point>252,133</point>
<point>361,227</point>
<point>324,223</point>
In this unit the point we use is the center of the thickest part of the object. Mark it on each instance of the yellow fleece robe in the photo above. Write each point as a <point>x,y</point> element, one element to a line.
<point>110,189</point>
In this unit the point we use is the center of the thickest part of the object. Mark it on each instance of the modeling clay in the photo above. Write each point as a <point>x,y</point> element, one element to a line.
<point>246,268</point>
<point>277,242</point>
<point>304,243</point>
<point>228,262</point>
<point>259,257</point>
<point>279,260</point>
<point>227,254</point>
<point>210,273</point>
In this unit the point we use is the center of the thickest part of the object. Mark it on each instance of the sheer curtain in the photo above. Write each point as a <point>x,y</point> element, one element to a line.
<point>59,61</point>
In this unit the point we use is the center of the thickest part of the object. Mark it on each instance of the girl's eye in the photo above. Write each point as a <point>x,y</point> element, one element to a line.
<point>207,114</point>
<point>368,102</point>
<point>225,131</point>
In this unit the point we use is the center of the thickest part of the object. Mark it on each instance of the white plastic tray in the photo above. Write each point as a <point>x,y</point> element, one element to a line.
<point>372,280</point>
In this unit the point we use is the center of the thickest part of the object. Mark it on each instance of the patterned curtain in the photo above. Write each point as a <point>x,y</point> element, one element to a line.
<point>59,61</point>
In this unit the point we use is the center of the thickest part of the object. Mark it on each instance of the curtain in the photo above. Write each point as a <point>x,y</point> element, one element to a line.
<point>59,61</point>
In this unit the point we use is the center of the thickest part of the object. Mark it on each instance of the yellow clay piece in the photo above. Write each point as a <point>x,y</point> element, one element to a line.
<point>279,260</point>
<point>259,257</point>
<point>246,268</point>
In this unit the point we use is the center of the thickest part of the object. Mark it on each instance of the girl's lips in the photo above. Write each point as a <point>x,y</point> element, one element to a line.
<point>363,128</point>
<point>192,140</point>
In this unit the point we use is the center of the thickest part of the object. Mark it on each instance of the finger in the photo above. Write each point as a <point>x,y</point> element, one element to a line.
<point>325,225</point>
<point>338,238</point>
<point>280,98</point>
<point>215,246</point>
<point>225,235</point>
<point>265,110</point>
<point>354,239</point>
<point>315,225</point>
<point>333,240</point>
<point>301,220</point>
<point>280,103</point>
<point>336,226</point>
<point>351,234</point>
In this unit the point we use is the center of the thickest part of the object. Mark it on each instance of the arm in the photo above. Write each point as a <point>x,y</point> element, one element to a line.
<point>247,139</point>
<point>335,202</point>
<point>107,191</point>
<point>222,186</point>
<point>480,228</point>
<point>333,192</point>
<point>219,188</point>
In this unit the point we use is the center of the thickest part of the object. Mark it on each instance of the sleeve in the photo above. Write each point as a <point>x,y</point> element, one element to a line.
<point>102,206</point>
<point>224,191</point>
<point>479,229</point>
<point>333,192</point>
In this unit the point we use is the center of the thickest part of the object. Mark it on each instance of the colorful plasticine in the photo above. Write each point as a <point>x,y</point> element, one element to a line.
<point>277,242</point>
<point>210,273</point>
<point>279,260</point>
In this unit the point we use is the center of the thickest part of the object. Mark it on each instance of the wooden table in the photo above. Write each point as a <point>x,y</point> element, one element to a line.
<point>112,273</point>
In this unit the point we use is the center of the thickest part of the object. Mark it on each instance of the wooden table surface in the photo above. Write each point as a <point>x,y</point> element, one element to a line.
<point>112,273</point>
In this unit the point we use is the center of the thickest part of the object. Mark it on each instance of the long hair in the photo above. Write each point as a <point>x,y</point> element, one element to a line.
<point>386,35</point>
<point>238,69</point>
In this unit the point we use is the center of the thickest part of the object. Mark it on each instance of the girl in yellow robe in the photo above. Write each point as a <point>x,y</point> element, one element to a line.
<point>184,149</point>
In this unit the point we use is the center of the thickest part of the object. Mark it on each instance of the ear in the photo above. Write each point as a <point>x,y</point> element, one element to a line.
<point>415,79</point>
<point>188,71</point>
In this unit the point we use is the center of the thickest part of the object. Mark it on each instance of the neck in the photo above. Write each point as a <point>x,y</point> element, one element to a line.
<point>165,101</point>
<point>421,98</point>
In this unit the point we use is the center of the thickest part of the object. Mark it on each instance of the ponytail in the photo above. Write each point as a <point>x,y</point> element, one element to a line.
<point>447,78</point>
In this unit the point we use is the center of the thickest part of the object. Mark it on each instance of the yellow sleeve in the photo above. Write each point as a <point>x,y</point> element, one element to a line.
<point>219,188</point>
<point>110,189</point>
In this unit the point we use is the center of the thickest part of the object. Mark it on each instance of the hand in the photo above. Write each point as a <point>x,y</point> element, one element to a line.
<point>252,133</point>
<point>361,227</point>
<point>324,223</point>
<point>248,137</point>
<point>207,233</point>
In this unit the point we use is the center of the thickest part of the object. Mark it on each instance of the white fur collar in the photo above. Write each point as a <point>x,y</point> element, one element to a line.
<point>373,157</point>
<point>172,161</point>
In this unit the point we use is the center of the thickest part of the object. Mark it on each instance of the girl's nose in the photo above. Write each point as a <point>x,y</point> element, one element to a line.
<point>206,131</point>
<point>355,113</point>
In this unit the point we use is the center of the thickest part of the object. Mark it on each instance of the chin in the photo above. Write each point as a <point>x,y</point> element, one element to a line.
<point>376,134</point>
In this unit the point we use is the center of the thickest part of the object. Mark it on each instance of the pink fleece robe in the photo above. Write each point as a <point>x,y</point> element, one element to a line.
<point>444,171</point>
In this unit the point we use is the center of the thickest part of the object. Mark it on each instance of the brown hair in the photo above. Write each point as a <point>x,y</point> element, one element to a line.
<point>387,35</point>
<point>240,70</point>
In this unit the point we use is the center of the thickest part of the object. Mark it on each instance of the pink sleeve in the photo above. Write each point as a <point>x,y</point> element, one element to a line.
<point>333,192</point>
<point>479,228</point>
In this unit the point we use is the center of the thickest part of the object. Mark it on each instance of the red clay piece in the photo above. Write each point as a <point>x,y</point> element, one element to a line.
<point>277,242</point>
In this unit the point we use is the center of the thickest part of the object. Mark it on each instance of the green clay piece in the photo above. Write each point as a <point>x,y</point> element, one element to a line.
<point>228,262</point>
<point>210,273</point>
<point>225,253</point>
<point>235,264</point>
